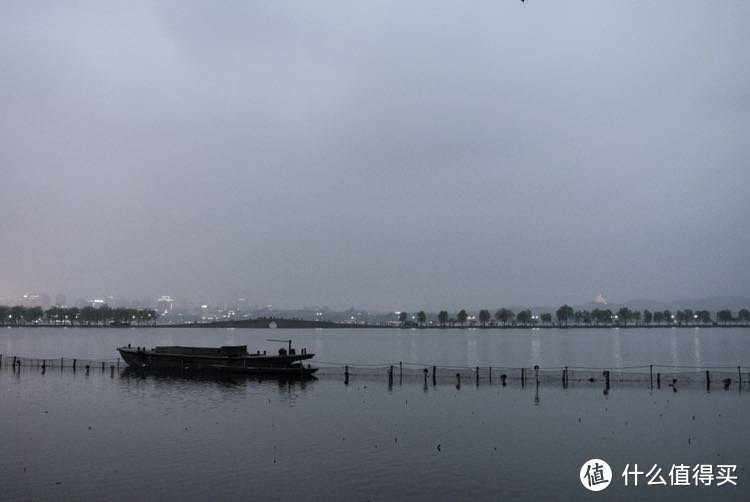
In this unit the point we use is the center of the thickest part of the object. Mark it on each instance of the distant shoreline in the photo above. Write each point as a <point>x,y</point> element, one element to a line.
<point>278,323</point>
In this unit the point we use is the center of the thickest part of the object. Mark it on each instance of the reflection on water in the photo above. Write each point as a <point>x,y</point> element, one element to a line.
<point>229,384</point>
<point>69,435</point>
<point>673,346</point>
<point>535,354</point>
<point>617,349</point>
<point>697,348</point>
<point>468,347</point>
<point>121,435</point>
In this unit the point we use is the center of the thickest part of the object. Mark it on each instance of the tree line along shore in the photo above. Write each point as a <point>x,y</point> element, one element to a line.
<point>19,315</point>
<point>564,317</point>
<point>567,316</point>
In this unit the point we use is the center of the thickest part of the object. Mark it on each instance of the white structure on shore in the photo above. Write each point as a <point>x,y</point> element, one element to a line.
<point>600,299</point>
<point>166,304</point>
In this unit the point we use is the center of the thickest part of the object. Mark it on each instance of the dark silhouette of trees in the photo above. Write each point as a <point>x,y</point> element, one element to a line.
<point>462,316</point>
<point>563,314</point>
<point>582,317</point>
<point>504,316</point>
<point>689,316</point>
<point>623,315</point>
<point>682,317</point>
<point>668,317</point>
<point>647,316</point>
<point>20,315</point>
<point>724,316</point>
<point>524,317</point>
<point>484,317</point>
<point>402,317</point>
<point>635,316</point>
<point>17,313</point>
<point>602,317</point>
<point>34,314</point>
<point>704,316</point>
<point>443,318</point>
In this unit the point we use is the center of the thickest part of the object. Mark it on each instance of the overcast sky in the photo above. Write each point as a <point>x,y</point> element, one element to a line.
<point>405,154</point>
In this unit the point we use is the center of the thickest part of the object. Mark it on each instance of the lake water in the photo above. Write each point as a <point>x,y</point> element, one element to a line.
<point>119,435</point>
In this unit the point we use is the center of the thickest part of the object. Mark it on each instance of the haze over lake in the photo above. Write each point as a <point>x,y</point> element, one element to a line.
<point>386,155</point>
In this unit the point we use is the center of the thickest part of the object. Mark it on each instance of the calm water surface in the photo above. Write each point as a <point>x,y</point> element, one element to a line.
<point>470,347</point>
<point>71,436</point>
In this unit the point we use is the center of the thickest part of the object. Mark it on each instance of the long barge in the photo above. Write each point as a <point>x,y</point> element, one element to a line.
<point>228,358</point>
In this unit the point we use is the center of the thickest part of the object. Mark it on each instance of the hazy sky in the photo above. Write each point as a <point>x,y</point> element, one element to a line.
<point>381,154</point>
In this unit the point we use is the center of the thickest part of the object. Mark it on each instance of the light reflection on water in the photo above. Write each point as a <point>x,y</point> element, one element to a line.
<point>697,348</point>
<point>123,436</point>
<point>469,347</point>
<point>73,436</point>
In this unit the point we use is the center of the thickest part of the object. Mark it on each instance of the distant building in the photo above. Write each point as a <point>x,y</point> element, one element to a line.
<point>165,304</point>
<point>600,299</point>
<point>35,300</point>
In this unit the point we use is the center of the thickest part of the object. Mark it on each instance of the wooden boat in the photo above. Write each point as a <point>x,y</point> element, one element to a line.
<point>233,358</point>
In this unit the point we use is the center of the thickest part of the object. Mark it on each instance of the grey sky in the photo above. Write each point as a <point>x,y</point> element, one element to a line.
<point>420,154</point>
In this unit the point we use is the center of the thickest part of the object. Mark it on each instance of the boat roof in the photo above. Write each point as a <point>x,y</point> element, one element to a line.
<point>225,350</point>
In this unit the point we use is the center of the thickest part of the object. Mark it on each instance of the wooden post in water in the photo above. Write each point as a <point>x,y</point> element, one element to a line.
<point>606,379</point>
<point>61,362</point>
<point>1,360</point>
<point>658,380</point>
<point>102,366</point>
<point>458,380</point>
<point>14,361</point>
<point>708,381</point>
<point>739,375</point>
<point>536,374</point>
<point>425,378</point>
<point>346,375</point>
<point>434,375</point>
<point>651,375</point>
<point>44,364</point>
<point>523,377</point>
<point>390,376</point>
<point>87,369</point>
<point>477,369</point>
<point>489,373</point>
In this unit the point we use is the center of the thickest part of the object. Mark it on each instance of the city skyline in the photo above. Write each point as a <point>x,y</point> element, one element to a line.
<point>167,305</point>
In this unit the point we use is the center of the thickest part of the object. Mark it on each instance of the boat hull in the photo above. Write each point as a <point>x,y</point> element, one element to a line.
<point>206,359</point>
<point>291,371</point>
